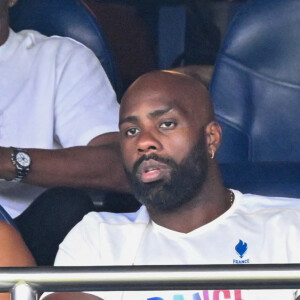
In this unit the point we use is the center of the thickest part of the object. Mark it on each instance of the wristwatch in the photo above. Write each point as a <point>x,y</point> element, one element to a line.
<point>22,161</point>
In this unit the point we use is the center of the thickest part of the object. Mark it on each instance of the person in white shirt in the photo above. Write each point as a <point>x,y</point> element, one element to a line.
<point>58,126</point>
<point>169,137</point>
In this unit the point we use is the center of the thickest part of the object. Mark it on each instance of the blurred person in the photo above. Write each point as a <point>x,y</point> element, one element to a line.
<point>13,251</point>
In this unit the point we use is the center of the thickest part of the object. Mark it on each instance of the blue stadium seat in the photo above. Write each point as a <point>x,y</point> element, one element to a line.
<point>256,83</point>
<point>69,18</point>
<point>278,179</point>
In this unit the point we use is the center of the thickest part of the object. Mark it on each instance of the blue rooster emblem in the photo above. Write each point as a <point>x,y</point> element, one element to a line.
<point>241,248</point>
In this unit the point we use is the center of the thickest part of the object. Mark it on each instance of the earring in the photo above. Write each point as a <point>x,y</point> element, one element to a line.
<point>11,3</point>
<point>212,154</point>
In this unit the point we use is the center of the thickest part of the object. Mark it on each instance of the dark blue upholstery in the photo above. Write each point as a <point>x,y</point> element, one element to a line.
<point>4,216</point>
<point>69,18</point>
<point>256,83</point>
<point>280,179</point>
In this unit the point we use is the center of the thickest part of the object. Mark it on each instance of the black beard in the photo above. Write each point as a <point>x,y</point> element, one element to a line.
<point>185,182</point>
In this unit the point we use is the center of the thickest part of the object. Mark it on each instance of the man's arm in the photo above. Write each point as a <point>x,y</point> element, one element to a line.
<point>97,165</point>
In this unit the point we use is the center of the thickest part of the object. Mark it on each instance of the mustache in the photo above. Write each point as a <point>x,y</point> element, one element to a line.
<point>165,160</point>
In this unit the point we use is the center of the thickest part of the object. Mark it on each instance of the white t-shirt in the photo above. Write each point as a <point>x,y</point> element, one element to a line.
<point>54,94</point>
<point>255,230</point>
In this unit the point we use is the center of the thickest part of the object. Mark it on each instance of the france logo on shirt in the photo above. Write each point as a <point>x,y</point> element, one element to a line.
<point>241,248</point>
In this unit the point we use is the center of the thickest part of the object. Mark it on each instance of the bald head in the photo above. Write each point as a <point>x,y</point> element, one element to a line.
<point>168,135</point>
<point>170,98</point>
<point>181,89</point>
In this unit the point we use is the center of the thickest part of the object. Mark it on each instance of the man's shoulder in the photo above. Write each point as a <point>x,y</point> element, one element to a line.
<point>139,217</point>
<point>102,235</point>
<point>34,39</point>
<point>255,203</point>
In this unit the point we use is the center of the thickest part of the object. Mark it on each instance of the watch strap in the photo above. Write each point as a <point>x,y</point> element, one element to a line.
<point>21,171</point>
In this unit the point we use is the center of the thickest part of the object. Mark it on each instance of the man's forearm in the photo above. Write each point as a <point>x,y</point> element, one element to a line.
<point>97,165</point>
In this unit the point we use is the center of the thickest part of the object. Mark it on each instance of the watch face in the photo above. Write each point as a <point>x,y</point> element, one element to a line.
<point>23,159</point>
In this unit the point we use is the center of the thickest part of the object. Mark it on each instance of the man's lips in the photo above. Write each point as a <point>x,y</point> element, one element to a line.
<point>152,170</point>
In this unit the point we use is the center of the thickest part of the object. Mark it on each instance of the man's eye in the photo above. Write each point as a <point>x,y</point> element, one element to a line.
<point>168,124</point>
<point>132,131</point>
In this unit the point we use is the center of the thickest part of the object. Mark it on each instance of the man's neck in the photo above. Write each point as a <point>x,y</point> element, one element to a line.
<point>211,202</point>
<point>4,29</point>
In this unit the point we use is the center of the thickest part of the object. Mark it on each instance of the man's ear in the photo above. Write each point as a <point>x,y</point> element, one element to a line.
<point>213,137</point>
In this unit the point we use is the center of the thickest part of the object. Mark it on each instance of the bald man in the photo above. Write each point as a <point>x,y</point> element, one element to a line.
<point>169,138</point>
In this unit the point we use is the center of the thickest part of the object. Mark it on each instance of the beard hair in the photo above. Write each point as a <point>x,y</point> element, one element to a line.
<point>185,181</point>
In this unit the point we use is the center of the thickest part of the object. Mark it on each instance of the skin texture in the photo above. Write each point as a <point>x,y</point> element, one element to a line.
<point>162,184</point>
<point>13,251</point>
<point>97,165</point>
<point>145,98</point>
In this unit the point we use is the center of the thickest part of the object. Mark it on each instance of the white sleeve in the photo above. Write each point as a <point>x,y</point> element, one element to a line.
<point>81,246</point>
<point>85,103</point>
<point>75,250</point>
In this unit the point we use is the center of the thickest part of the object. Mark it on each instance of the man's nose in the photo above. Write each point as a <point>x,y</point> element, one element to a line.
<point>148,142</point>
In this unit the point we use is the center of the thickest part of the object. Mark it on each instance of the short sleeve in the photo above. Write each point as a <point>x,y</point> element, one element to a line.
<point>85,102</point>
<point>81,247</point>
<point>85,234</point>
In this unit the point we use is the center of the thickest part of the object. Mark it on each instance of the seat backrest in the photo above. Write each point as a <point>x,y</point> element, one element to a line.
<point>278,179</point>
<point>70,18</point>
<point>256,83</point>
